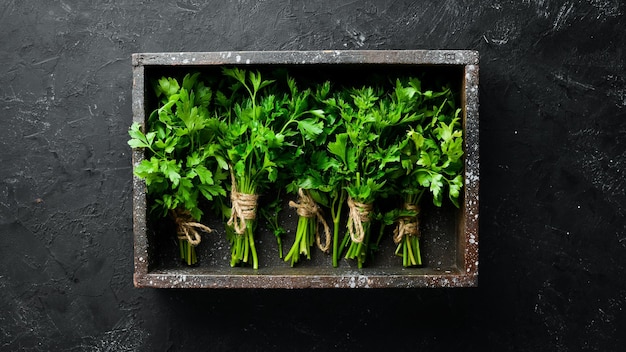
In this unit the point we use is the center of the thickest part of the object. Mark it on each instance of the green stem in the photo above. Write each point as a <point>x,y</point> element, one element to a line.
<point>405,257</point>
<point>336,208</point>
<point>418,251</point>
<point>381,231</point>
<point>293,119</point>
<point>304,239</point>
<point>293,253</point>
<point>194,260</point>
<point>280,247</point>
<point>252,247</point>
<point>359,250</point>
<point>335,242</point>
<point>311,234</point>
<point>409,251</point>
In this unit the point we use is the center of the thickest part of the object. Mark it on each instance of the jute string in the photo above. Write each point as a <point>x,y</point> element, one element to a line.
<point>358,214</point>
<point>407,225</point>
<point>243,207</point>
<point>307,208</point>
<point>188,229</point>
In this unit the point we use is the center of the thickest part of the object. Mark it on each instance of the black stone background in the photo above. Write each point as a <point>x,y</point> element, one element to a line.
<point>553,156</point>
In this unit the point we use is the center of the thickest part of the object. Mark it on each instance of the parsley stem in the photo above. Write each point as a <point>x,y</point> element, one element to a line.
<point>252,247</point>
<point>336,208</point>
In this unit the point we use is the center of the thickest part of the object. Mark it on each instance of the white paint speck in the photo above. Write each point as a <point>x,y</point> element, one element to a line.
<point>238,58</point>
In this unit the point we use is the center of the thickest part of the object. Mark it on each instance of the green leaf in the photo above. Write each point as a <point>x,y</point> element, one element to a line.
<point>138,139</point>
<point>190,80</point>
<point>455,190</point>
<point>236,73</point>
<point>221,162</point>
<point>339,147</point>
<point>317,113</point>
<point>364,98</point>
<point>436,186</point>
<point>187,194</point>
<point>167,86</point>
<point>425,159</point>
<point>137,143</point>
<point>222,100</point>
<point>311,128</point>
<point>168,145</point>
<point>272,174</point>
<point>384,156</point>
<point>147,167</point>
<point>203,95</point>
<point>423,178</point>
<point>417,138</point>
<point>196,213</point>
<point>321,161</point>
<point>193,159</point>
<point>205,176</point>
<point>210,191</point>
<point>171,170</point>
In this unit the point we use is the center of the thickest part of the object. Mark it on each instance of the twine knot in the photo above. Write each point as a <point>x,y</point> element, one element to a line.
<point>307,208</point>
<point>187,229</point>
<point>358,214</point>
<point>243,207</point>
<point>407,225</point>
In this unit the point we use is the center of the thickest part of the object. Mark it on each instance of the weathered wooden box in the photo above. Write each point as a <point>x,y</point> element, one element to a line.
<point>449,235</point>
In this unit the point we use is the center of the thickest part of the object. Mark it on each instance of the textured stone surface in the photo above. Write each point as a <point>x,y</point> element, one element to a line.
<point>552,196</point>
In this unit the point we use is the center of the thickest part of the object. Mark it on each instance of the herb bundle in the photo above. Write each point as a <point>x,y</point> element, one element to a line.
<point>431,160</point>
<point>251,146</point>
<point>307,173</point>
<point>266,132</point>
<point>182,150</point>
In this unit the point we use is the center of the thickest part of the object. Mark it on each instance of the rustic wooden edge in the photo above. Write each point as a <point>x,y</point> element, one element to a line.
<point>422,57</point>
<point>342,279</point>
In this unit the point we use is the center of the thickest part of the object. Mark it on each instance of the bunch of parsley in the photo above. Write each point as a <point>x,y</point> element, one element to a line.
<point>309,172</point>
<point>431,160</point>
<point>183,160</point>
<point>266,129</point>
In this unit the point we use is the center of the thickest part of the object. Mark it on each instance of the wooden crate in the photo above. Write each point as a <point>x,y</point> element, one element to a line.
<point>449,235</point>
